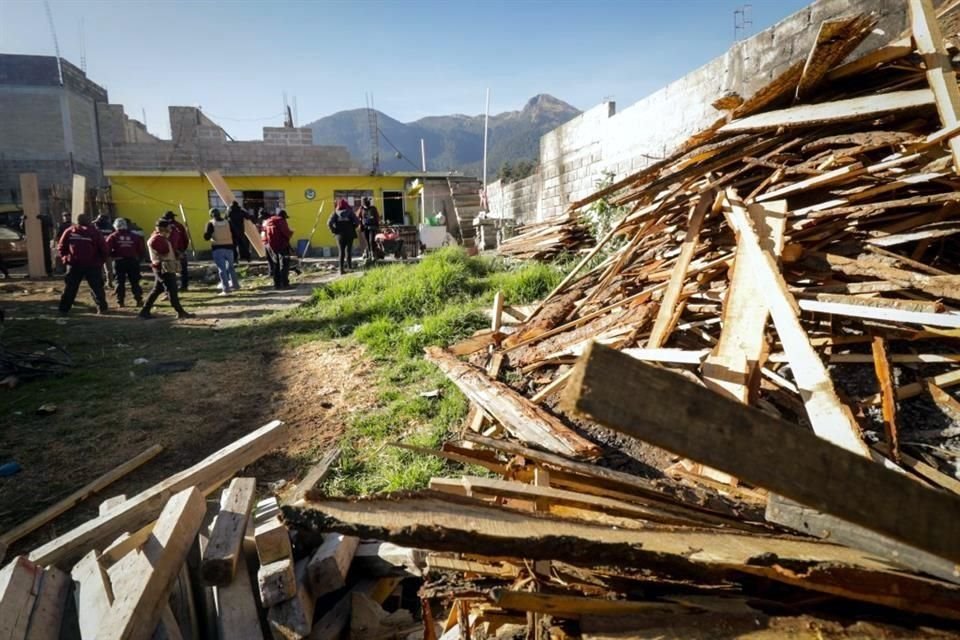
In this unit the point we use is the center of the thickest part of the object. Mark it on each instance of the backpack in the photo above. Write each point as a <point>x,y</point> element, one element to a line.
<point>344,223</point>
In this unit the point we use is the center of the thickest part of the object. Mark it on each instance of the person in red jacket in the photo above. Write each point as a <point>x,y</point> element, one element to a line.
<point>127,250</point>
<point>84,252</point>
<point>164,261</point>
<point>277,235</point>
<point>181,241</point>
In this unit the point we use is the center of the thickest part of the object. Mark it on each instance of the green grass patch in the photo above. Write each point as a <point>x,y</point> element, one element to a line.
<point>396,311</point>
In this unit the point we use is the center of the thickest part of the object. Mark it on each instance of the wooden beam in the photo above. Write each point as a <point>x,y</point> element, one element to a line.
<point>219,563</point>
<point>237,613</point>
<point>661,326</point>
<point>628,396</point>
<point>92,593</point>
<point>19,586</point>
<point>830,418</point>
<point>293,619</point>
<point>876,312</point>
<point>447,523</point>
<point>215,178</point>
<point>78,496</point>
<point>846,110</point>
<point>385,559</point>
<point>270,533</point>
<point>496,314</point>
<point>517,414</point>
<point>144,507</point>
<point>573,607</point>
<point>328,566</point>
<point>143,590</point>
<point>872,59</point>
<point>881,365</point>
<point>316,474</point>
<point>276,582</point>
<point>48,609</point>
<point>835,40</point>
<point>940,75</point>
<point>79,196</point>
<point>30,195</point>
<point>811,522</point>
<point>733,365</point>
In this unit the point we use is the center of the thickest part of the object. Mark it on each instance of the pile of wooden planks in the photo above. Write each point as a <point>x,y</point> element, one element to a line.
<point>547,240</point>
<point>738,422</point>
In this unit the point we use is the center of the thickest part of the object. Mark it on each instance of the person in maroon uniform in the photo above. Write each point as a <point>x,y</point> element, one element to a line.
<point>277,234</point>
<point>180,241</point>
<point>164,261</point>
<point>127,250</point>
<point>84,252</point>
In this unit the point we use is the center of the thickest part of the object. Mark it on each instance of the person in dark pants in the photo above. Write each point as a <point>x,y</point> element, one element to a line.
<point>369,225</point>
<point>164,261</point>
<point>241,246</point>
<point>84,252</point>
<point>66,221</point>
<point>277,235</point>
<point>127,250</point>
<point>343,224</point>
<point>181,242</point>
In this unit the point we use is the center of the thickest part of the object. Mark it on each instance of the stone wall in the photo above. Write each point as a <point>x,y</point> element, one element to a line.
<point>577,155</point>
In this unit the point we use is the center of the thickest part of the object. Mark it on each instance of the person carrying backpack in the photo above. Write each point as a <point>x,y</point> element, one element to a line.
<point>277,235</point>
<point>218,234</point>
<point>369,225</point>
<point>343,224</point>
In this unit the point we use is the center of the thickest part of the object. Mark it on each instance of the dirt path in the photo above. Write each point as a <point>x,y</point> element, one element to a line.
<point>238,376</point>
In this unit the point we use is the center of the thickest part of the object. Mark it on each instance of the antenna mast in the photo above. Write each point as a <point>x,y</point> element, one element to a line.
<point>53,32</point>
<point>83,46</point>
<point>742,21</point>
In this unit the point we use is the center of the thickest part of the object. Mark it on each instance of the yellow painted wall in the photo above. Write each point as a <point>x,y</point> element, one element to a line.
<point>145,198</point>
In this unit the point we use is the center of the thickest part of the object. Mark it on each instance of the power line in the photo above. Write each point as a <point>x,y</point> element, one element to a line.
<point>399,153</point>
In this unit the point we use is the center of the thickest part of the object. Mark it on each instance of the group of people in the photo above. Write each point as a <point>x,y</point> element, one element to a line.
<point>344,224</point>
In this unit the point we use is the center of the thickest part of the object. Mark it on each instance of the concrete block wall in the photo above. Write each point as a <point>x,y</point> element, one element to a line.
<point>517,200</point>
<point>288,136</point>
<point>577,155</point>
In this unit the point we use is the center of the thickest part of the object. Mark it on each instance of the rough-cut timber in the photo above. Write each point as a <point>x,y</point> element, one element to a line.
<point>442,522</point>
<point>276,582</point>
<point>327,569</point>
<point>219,563</point>
<point>626,395</point>
<point>518,415</point>
<point>143,508</point>
<point>19,585</point>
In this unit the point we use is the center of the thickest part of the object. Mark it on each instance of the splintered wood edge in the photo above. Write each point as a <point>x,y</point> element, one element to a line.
<point>576,387</point>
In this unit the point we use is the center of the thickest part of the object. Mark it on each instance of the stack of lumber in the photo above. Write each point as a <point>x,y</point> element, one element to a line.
<point>547,240</point>
<point>183,559</point>
<point>776,329</point>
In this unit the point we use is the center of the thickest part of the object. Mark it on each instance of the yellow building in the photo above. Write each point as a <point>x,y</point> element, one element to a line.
<point>144,196</point>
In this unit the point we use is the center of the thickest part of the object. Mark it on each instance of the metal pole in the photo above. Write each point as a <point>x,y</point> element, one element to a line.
<point>423,182</point>
<point>423,155</point>
<point>486,126</point>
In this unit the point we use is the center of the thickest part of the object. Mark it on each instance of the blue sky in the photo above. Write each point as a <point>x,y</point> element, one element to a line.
<point>236,58</point>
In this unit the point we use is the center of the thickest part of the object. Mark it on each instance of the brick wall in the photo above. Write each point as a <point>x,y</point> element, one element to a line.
<point>285,135</point>
<point>577,155</point>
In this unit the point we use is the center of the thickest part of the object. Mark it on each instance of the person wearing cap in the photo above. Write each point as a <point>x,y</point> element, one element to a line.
<point>127,249</point>
<point>180,241</point>
<point>277,235</point>
<point>84,252</point>
<point>343,224</point>
<point>236,216</point>
<point>369,225</point>
<point>165,264</point>
<point>218,234</point>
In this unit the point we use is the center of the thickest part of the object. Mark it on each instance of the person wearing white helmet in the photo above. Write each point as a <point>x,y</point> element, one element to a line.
<point>127,250</point>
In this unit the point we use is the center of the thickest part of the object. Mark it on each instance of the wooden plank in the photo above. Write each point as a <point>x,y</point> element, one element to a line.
<point>293,618</point>
<point>142,591</point>
<point>78,496</point>
<point>447,523</point>
<point>496,314</point>
<point>881,55</point>
<point>276,582</point>
<point>328,566</point>
<point>79,196</point>
<point>47,615</point>
<point>709,428</point>
<point>661,326</point>
<point>835,40</point>
<point>875,312</point>
<point>788,513</point>
<point>256,242</point>
<point>92,593</point>
<point>881,365</point>
<point>922,469</point>
<point>317,474</point>
<point>518,415</point>
<point>30,195</point>
<point>110,503</point>
<point>144,507</point>
<point>270,533</point>
<point>219,563</point>
<point>944,401</point>
<point>331,625</point>
<point>913,389</point>
<point>385,559</point>
<point>573,607</point>
<point>237,613</point>
<point>830,418</point>
<point>830,112</point>
<point>215,178</point>
<point>436,562</point>
<point>925,31</point>
<point>19,586</point>
<point>733,365</point>
<point>670,356</point>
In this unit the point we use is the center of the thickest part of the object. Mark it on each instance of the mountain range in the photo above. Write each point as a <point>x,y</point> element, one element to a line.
<point>453,142</point>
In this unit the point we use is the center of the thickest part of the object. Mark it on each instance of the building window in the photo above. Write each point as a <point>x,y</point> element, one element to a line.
<point>252,201</point>
<point>353,197</point>
<point>213,199</point>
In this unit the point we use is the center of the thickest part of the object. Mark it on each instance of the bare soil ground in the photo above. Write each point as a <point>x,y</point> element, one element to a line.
<point>245,372</point>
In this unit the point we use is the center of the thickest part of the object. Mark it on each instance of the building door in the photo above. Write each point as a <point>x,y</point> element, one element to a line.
<point>393,207</point>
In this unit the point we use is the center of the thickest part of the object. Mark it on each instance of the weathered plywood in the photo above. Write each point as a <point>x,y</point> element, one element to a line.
<point>36,267</point>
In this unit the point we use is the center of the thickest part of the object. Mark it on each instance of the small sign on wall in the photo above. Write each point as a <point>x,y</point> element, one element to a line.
<point>309,194</point>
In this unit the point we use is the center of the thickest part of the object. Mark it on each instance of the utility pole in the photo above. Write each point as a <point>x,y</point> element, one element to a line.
<point>423,155</point>
<point>423,182</point>
<point>486,128</point>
